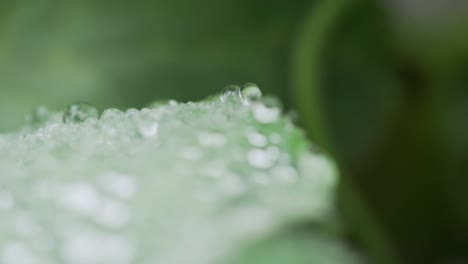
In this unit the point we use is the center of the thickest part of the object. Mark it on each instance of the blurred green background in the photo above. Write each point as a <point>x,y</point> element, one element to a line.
<point>381,85</point>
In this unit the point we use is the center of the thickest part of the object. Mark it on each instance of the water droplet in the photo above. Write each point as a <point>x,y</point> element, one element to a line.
<point>172,102</point>
<point>132,112</point>
<point>264,114</point>
<point>111,113</point>
<point>76,113</point>
<point>256,139</point>
<point>80,197</point>
<point>231,93</point>
<point>38,116</point>
<point>259,158</point>
<point>158,103</point>
<point>251,92</point>
<point>284,174</point>
<point>148,129</point>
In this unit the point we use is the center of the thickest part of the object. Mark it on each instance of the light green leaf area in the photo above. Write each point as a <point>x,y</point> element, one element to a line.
<point>225,180</point>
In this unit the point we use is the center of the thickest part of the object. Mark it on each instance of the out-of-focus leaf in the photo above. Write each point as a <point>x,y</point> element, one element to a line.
<point>378,94</point>
<point>179,183</point>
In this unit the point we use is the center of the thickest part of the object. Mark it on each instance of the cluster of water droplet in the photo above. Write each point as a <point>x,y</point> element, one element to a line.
<point>171,183</point>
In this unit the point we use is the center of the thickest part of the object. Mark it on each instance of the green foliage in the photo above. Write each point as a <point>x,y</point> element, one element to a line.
<point>225,180</point>
<point>386,98</point>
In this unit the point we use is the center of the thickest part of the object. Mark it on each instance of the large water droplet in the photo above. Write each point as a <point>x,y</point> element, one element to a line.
<point>76,113</point>
<point>231,93</point>
<point>251,92</point>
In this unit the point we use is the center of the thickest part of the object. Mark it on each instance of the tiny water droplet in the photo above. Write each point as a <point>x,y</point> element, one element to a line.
<point>38,116</point>
<point>256,139</point>
<point>251,92</point>
<point>76,113</point>
<point>148,129</point>
<point>132,112</point>
<point>231,93</point>
<point>172,102</point>
<point>261,159</point>
<point>264,114</point>
<point>111,113</point>
<point>285,174</point>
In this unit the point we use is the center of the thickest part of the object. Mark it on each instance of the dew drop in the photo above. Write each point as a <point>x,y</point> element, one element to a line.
<point>132,112</point>
<point>251,92</point>
<point>284,173</point>
<point>38,116</point>
<point>111,113</point>
<point>256,139</point>
<point>172,102</point>
<point>76,113</point>
<point>231,93</point>
<point>264,114</point>
<point>148,129</point>
<point>80,197</point>
<point>259,158</point>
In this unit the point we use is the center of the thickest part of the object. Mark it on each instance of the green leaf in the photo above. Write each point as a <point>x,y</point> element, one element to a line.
<point>179,183</point>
